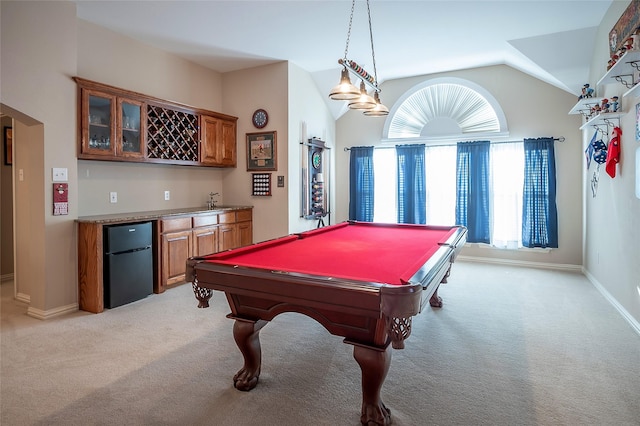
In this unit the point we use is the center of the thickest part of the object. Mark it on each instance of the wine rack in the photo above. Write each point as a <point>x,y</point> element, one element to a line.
<point>171,134</point>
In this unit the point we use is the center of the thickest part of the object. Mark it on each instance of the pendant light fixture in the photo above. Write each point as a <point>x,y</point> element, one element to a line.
<point>379,110</point>
<point>359,99</point>
<point>364,101</point>
<point>344,91</point>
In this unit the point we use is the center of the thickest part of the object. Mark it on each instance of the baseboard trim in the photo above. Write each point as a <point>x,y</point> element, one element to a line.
<point>625,314</point>
<point>23,298</point>
<point>44,315</point>
<point>527,264</point>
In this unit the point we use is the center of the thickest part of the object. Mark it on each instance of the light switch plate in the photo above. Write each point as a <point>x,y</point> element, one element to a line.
<point>59,174</point>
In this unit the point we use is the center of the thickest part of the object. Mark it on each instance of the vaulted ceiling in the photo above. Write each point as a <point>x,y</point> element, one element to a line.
<point>550,40</point>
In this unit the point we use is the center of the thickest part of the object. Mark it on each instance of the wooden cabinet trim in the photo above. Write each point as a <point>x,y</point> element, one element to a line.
<point>228,217</point>
<point>177,224</point>
<point>205,220</point>
<point>243,215</point>
<point>130,94</point>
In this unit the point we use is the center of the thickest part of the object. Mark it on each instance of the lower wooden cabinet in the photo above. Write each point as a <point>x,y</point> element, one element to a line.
<point>199,235</point>
<point>176,238</point>
<point>205,241</point>
<point>175,246</point>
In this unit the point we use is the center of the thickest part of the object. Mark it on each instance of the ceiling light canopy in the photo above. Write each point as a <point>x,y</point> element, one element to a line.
<point>359,99</point>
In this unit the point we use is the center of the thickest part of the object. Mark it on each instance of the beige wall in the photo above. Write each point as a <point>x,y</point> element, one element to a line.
<point>532,109</point>
<point>612,218</point>
<point>307,105</point>
<point>40,40</point>
<point>245,91</point>
<point>6,213</point>
<point>107,57</point>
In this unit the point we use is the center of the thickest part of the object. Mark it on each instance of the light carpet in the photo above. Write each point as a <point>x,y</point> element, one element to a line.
<point>511,346</point>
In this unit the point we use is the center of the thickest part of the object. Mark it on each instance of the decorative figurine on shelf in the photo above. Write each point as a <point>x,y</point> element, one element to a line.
<point>614,104</point>
<point>612,61</point>
<point>587,92</point>
<point>595,110</point>
<point>604,106</point>
<point>628,44</point>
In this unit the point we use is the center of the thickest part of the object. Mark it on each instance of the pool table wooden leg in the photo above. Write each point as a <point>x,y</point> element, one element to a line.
<point>435,301</point>
<point>247,336</point>
<point>374,365</point>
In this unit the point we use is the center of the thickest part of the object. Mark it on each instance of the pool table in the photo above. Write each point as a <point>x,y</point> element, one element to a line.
<point>361,281</point>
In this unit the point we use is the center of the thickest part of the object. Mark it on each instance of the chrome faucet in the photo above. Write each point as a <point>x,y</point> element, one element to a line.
<point>211,204</point>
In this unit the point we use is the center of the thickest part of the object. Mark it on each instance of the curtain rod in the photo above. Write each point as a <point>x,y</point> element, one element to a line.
<point>559,139</point>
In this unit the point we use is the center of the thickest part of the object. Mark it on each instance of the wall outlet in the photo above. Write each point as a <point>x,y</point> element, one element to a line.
<point>167,195</point>
<point>113,197</point>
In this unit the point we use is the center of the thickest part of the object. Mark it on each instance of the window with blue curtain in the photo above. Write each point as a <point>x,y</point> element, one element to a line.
<point>472,190</point>
<point>539,211</point>
<point>361,184</point>
<point>412,192</point>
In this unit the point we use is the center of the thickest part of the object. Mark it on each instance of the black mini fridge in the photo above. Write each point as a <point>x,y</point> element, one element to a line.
<point>128,263</point>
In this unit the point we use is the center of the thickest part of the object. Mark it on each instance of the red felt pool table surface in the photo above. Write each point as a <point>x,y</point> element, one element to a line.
<point>371,252</point>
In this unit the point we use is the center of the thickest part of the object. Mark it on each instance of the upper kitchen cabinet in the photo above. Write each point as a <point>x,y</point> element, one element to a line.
<point>130,128</point>
<point>97,124</point>
<point>218,141</point>
<point>121,125</point>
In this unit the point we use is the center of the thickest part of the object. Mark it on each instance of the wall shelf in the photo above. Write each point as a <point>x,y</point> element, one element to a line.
<point>634,91</point>
<point>624,71</point>
<point>604,119</point>
<point>584,106</point>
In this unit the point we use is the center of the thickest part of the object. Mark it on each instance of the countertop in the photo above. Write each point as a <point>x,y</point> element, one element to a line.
<point>155,214</point>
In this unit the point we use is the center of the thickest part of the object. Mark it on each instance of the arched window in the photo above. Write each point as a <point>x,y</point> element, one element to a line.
<point>439,113</point>
<point>445,108</point>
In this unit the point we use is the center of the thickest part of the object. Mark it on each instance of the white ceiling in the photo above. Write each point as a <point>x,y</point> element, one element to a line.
<point>551,40</point>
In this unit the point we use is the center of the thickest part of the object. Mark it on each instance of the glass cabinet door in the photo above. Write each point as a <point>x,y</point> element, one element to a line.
<point>130,128</point>
<point>98,136</point>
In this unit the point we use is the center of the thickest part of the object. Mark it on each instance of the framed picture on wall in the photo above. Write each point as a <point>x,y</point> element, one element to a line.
<point>625,27</point>
<point>262,151</point>
<point>8,145</point>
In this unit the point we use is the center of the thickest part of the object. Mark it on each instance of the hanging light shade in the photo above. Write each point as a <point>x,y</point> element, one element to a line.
<point>364,101</point>
<point>344,91</point>
<point>359,99</point>
<point>379,110</point>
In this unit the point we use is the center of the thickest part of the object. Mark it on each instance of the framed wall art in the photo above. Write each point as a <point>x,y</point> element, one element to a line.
<point>262,151</point>
<point>8,146</point>
<point>625,27</point>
